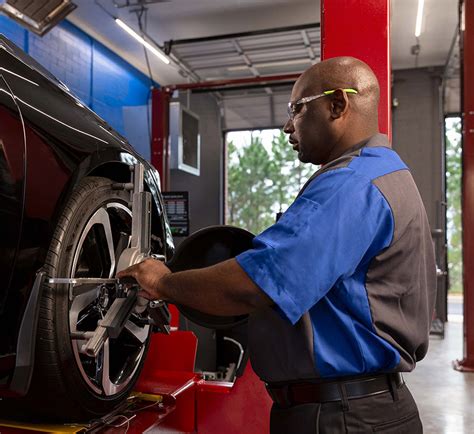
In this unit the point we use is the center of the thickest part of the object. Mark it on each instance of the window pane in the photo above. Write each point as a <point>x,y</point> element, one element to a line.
<point>264,176</point>
<point>453,196</point>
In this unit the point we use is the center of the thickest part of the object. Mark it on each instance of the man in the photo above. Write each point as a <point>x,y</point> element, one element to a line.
<point>341,289</point>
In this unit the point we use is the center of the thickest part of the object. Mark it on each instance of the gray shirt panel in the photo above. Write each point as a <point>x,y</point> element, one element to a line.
<point>401,281</point>
<point>280,350</point>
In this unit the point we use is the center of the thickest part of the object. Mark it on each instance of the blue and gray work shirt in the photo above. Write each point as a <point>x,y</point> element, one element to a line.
<point>350,267</point>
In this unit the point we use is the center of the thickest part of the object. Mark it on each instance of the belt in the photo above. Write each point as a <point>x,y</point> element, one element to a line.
<point>334,389</point>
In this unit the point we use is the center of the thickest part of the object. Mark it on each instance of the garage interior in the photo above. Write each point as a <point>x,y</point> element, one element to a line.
<point>232,65</point>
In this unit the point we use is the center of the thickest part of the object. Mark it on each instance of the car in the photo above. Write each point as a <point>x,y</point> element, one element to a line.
<point>67,211</point>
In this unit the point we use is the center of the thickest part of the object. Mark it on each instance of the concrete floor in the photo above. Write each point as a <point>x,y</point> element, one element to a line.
<point>444,396</point>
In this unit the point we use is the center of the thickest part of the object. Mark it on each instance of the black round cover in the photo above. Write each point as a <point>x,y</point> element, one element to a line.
<point>204,248</point>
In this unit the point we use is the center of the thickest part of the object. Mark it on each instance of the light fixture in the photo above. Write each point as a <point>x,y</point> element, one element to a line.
<point>142,41</point>
<point>419,18</point>
<point>39,16</point>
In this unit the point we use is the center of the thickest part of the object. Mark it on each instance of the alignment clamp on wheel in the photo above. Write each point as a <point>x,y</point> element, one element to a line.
<point>126,300</point>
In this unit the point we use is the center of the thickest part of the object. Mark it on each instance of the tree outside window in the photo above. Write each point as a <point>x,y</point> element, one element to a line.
<point>453,197</point>
<point>264,176</point>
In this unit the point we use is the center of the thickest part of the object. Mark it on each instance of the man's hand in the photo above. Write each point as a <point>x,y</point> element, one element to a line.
<point>147,274</point>
<point>221,289</point>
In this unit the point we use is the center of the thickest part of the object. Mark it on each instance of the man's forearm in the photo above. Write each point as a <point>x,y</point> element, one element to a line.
<point>223,289</point>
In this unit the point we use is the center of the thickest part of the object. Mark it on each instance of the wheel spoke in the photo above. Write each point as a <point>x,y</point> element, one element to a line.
<point>80,303</point>
<point>139,333</point>
<point>122,244</point>
<point>86,314</point>
<point>99,367</point>
<point>107,385</point>
<point>83,288</point>
<point>102,217</point>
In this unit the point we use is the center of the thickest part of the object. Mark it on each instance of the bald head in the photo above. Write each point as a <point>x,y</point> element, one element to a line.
<point>322,129</point>
<point>346,72</point>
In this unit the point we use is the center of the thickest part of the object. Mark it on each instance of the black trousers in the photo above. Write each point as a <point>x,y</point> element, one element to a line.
<point>386,413</point>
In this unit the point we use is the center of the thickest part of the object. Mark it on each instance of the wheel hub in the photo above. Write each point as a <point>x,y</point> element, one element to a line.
<point>103,299</point>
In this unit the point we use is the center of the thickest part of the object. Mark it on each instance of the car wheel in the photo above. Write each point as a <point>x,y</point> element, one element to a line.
<point>67,385</point>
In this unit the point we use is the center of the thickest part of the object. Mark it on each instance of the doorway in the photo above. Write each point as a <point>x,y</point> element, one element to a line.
<point>453,149</point>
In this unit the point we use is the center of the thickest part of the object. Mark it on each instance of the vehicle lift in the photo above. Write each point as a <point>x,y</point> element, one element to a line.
<point>169,395</point>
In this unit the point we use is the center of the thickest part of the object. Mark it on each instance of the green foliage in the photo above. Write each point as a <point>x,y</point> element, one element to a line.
<point>289,173</point>
<point>261,181</point>
<point>453,195</point>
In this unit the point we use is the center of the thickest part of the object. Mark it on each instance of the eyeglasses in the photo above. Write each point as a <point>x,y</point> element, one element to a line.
<point>295,107</point>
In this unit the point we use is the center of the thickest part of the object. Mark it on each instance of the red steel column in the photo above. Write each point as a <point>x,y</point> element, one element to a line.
<point>160,106</point>
<point>160,152</point>
<point>467,42</point>
<point>361,29</point>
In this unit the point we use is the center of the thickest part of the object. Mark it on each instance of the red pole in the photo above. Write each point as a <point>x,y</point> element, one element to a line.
<point>160,104</point>
<point>467,41</point>
<point>362,30</point>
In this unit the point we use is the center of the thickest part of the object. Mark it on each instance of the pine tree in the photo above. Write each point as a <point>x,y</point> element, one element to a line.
<point>453,193</point>
<point>261,182</point>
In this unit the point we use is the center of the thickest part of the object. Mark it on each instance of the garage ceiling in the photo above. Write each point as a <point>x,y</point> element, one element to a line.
<point>183,19</point>
<point>242,55</point>
<point>251,55</point>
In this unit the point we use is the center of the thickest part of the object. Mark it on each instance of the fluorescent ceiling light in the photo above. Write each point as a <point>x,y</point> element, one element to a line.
<point>419,17</point>
<point>142,41</point>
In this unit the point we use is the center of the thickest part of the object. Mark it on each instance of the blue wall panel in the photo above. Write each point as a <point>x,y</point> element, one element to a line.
<point>114,89</point>
<point>13,31</point>
<point>115,86</point>
<point>66,52</point>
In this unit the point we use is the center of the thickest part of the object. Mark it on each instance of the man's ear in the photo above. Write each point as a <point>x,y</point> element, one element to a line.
<point>339,104</point>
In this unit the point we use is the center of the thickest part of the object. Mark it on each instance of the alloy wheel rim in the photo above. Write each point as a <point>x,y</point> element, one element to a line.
<point>104,237</point>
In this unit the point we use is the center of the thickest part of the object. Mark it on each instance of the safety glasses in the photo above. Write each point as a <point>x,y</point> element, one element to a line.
<point>295,107</point>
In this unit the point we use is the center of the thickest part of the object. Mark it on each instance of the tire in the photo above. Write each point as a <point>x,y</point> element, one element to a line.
<point>68,386</point>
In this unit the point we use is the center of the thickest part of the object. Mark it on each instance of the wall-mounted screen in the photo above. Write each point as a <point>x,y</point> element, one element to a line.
<point>185,140</point>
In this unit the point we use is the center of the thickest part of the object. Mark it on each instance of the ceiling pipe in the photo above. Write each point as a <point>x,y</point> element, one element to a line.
<point>233,82</point>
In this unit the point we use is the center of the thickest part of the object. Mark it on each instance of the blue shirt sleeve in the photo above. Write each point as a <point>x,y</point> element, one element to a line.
<point>340,222</point>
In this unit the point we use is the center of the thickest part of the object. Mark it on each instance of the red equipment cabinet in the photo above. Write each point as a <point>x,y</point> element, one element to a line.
<point>198,405</point>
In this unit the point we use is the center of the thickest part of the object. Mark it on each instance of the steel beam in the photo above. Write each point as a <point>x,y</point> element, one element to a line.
<point>362,30</point>
<point>467,103</point>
